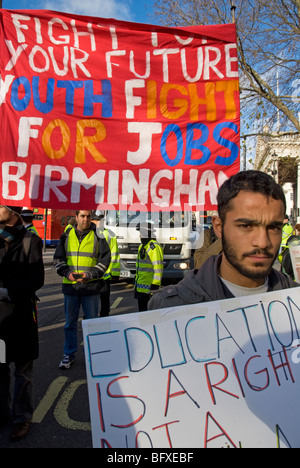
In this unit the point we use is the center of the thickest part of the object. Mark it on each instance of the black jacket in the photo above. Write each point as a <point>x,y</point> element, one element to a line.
<point>22,274</point>
<point>204,285</point>
<point>96,273</point>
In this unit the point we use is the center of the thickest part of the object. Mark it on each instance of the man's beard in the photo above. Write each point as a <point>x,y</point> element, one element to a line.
<point>253,273</point>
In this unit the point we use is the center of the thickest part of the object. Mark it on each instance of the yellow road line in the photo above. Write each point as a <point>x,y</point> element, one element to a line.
<point>116,303</point>
<point>49,399</point>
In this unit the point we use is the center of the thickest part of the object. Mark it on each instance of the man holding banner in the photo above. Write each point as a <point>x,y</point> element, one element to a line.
<point>251,212</point>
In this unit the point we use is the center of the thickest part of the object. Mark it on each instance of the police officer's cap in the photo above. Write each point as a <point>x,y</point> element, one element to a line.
<point>27,213</point>
<point>147,230</point>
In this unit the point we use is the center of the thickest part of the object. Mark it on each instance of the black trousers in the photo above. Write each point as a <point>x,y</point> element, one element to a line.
<point>105,300</point>
<point>21,409</point>
<point>143,300</point>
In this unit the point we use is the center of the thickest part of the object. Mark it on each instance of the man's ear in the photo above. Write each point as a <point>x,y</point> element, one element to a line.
<point>217,225</point>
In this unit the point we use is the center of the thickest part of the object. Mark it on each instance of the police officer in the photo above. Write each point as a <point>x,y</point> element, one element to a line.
<point>149,266</point>
<point>27,218</point>
<point>287,231</point>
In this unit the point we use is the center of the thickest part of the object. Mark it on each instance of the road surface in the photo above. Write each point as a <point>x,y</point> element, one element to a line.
<point>61,418</point>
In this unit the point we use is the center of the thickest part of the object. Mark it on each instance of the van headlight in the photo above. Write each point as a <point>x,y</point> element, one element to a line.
<point>182,266</point>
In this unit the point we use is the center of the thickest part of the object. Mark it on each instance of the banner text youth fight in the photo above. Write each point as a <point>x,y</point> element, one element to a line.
<point>116,114</point>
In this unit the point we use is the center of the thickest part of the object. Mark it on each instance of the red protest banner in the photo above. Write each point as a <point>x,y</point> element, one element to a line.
<point>103,112</point>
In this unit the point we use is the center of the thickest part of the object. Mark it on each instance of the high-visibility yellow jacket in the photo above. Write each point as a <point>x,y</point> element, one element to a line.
<point>149,267</point>
<point>68,227</point>
<point>114,267</point>
<point>32,228</point>
<point>287,231</point>
<point>83,252</point>
<point>81,256</point>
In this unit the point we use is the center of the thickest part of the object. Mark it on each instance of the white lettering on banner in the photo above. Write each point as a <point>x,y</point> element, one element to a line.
<point>57,182</point>
<point>208,58</point>
<point>9,178</point>
<point>145,130</point>
<point>4,87</point>
<point>219,374</point>
<point>76,59</point>
<point>26,132</point>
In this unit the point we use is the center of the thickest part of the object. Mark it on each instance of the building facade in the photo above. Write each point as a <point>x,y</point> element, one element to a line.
<point>278,154</point>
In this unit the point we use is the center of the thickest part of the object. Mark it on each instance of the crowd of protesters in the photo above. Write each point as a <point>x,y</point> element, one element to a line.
<point>251,230</point>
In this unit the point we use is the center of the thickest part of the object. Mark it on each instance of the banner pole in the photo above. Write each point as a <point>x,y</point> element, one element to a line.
<point>45,228</point>
<point>233,8</point>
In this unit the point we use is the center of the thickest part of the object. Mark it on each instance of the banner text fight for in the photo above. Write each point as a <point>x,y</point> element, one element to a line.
<point>80,41</point>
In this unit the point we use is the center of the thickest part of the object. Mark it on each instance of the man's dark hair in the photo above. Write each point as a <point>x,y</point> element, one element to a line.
<point>78,211</point>
<point>248,181</point>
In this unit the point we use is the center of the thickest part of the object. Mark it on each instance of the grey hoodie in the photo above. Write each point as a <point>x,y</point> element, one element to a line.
<point>204,285</point>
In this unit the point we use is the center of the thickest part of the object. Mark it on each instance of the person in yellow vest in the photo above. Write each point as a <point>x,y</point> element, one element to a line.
<point>113,271</point>
<point>71,223</point>
<point>284,257</point>
<point>149,266</point>
<point>287,231</point>
<point>27,218</point>
<point>81,258</point>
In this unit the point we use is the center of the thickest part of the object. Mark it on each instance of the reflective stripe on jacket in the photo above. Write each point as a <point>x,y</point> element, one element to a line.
<point>81,256</point>
<point>149,270</point>
<point>33,229</point>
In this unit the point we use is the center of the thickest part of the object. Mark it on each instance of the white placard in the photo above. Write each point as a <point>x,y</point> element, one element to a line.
<point>294,249</point>
<point>219,374</point>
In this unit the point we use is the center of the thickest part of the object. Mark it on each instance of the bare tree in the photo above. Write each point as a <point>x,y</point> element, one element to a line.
<point>269,51</point>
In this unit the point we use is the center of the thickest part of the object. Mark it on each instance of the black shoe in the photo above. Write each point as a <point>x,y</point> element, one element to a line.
<point>20,430</point>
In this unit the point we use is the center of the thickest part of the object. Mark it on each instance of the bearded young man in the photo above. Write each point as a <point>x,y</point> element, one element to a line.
<point>251,207</point>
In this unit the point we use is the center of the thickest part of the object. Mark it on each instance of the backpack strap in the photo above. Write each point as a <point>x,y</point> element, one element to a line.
<point>68,230</point>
